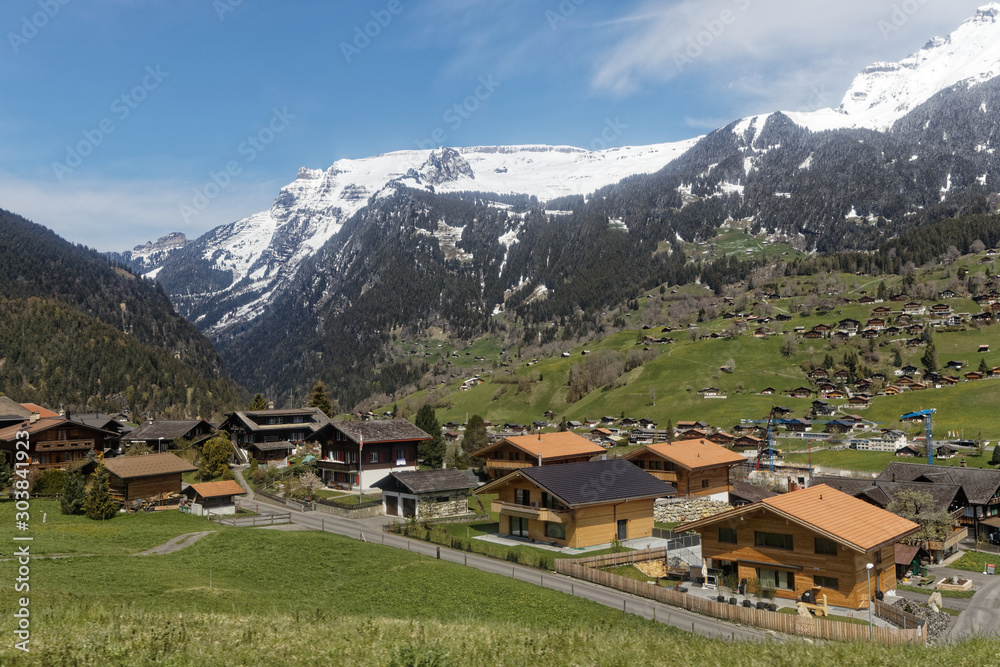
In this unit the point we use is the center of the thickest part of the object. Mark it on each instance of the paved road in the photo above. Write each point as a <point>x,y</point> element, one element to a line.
<point>979,616</point>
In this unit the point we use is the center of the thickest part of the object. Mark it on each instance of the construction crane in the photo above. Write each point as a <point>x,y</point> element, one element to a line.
<point>928,430</point>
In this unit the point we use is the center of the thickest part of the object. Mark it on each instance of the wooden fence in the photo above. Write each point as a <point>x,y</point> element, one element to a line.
<point>897,616</point>
<point>251,521</point>
<point>820,628</point>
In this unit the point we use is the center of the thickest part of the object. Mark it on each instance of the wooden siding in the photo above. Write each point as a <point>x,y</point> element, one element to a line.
<point>688,482</point>
<point>585,526</point>
<point>848,566</point>
<point>144,487</point>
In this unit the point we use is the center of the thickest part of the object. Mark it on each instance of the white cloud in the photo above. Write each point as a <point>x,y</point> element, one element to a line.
<point>113,215</point>
<point>781,53</point>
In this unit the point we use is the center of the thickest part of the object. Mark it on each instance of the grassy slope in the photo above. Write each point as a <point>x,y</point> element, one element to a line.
<point>256,597</point>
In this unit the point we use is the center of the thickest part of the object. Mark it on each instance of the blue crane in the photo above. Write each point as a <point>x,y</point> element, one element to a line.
<point>928,430</point>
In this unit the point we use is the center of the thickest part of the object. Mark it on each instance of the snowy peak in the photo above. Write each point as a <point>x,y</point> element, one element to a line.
<point>885,92</point>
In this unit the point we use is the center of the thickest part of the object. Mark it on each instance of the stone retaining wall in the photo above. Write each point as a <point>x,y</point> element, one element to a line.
<point>688,509</point>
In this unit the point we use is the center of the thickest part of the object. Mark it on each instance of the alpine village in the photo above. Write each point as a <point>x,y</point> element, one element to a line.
<point>742,408</point>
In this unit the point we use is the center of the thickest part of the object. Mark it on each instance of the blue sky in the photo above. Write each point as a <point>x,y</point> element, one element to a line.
<point>114,113</point>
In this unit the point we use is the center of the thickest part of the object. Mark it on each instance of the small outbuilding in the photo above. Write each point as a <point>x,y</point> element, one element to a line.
<point>216,497</point>
<point>146,477</point>
<point>427,493</point>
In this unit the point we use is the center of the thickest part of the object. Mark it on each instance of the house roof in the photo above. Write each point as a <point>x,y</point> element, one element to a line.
<point>979,485</point>
<point>255,420</point>
<point>148,465</point>
<point>549,445</point>
<point>882,492</point>
<point>905,553</point>
<point>691,454</point>
<point>44,424</point>
<point>378,430</point>
<point>168,429</point>
<point>42,412</point>
<point>227,487</point>
<point>749,492</point>
<point>270,446</point>
<point>832,513</point>
<point>430,481</point>
<point>590,482</point>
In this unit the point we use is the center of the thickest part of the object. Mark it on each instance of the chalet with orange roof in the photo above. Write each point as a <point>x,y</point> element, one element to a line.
<point>524,451</point>
<point>817,537</point>
<point>216,497</point>
<point>696,467</point>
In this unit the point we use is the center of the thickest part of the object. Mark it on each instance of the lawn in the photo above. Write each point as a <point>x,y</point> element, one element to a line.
<point>258,597</point>
<point>944,594</point>
<point>975,561</point>
<point>832,617</point>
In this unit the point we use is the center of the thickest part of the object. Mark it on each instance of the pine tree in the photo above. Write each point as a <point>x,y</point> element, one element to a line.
<point>319,398</point>
<point>996,456</point>
<point>983,366</point>
<point>258,403</point>
<point>930,360</point>
<point>99,504</point>
<point>475,435</point>
<point>71,500</point>
<point>431,452</point>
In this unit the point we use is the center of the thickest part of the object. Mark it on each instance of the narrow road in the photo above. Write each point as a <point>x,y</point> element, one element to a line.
<point>370,530</point>
<point>176,544</point>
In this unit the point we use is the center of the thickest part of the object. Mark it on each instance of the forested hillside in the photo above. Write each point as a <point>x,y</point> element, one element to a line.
<point>81,332</point>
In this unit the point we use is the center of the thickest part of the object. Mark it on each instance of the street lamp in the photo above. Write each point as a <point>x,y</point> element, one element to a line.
<point>871,629</point>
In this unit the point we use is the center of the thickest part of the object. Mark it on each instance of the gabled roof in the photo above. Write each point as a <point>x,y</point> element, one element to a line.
<point>373,430</point>
<point>429,481</point>
<point>551,446</point>
<point>979,485</point>
<point>46,423</point>
<point>749,492</point>
<point>227,487</point>
<point>691,454</point>
<point>256,420</point>
<point>42,412</point>
<point>829,512</point>
<point>270,446</point>
<point>148,465</point>
<point>168,429</point>
<point>590,482</point>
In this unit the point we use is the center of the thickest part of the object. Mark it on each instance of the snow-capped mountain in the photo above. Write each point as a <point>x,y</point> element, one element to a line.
<point>149,257</point>
<point>885,92</point>
<point>250,258</point>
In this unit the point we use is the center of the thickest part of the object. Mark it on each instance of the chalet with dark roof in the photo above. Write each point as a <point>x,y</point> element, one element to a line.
<point>260,426</point>
<point>53,442</point>
<point>146,477</point>
<point>160,433</point>
<point>364,452</point>
<point>577,504</point>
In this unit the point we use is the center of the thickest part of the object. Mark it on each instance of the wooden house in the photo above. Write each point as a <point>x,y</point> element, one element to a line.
<point>360,453</point>
<point>259,426</point>
<point>158,434</point>
<point>814,537</point>
<point>270,453</point>
<point>696,467</point>
<point>722,438</point>
<point>145,477</point>
<point>513,453</point>
<point>53,442</point>
<point>577,505</point>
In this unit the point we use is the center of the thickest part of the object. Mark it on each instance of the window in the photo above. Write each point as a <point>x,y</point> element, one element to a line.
<point>826,546</point>
<point>522,497</point>
<point>555,530</point>
<point>654,465</point>
<point>374,457</point>
<point>642,464</point>
<point>401,457</point>
<point>704,483</point>
<point>727,535</point>
<point>776,579</point>
<point>827,582</point>
<point>772,540</point>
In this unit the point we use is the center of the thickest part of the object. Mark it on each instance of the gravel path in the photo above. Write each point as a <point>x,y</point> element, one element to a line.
<point>176,544</point>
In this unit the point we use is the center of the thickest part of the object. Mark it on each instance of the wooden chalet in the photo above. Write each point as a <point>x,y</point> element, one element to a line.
<point>696,467</point>
<point>577,505</point>
<point>158,434</point>
<point>814,537</point>
<point>145,477</point>
<point>270,453</point>
<point>360,453</point>
<point>259,426</point>
<point>53,442</point>
<point>513,453</point>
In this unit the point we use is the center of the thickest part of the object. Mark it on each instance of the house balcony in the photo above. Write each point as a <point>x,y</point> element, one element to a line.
<point>952,541</point>
<point>531,512</point>
<point>63,445</point>
<point>664,475</point>
<point>334,465</point>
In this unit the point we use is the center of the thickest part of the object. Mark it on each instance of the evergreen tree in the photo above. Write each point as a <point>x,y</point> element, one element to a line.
<point>319,398</point>
<point>930,360</point>
<point>897,358</point>
<point>996,456</point>
<point>74,492</point>
<point>431,452</point>
<point>99,504</point>
<point>475,435</point>
<point>6,474</point>
<point>983,366</point>
<point>258,403</point>
<point>215,456</point>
